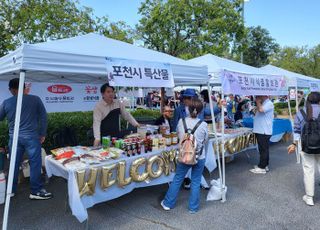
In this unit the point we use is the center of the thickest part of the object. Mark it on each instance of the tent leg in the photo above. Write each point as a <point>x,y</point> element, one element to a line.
<point>291,119</point>
<point>297,109</point>
<point>223,153</point>
<point>13,150</point>
<point>215,134</point>
<point>174,98</point>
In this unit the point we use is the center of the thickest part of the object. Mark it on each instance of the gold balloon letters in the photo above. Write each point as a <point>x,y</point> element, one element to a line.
<point>106,176</point>
<point>140,170</point>
<point>136,176</point>
<point>121,176</point>
<point>236,144</point>
<point>169,159</point>
<point>151,162</point>
<point>87,187</point>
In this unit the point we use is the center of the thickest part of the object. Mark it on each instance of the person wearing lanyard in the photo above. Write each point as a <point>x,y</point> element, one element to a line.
<point>262,127</point>
<point>106,115</point>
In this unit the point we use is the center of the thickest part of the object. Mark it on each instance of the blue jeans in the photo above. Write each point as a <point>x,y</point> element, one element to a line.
<point>33,148</point>
<point>181,171</point>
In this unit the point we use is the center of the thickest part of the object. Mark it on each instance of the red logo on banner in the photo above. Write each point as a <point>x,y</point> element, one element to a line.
<point>91,89</point>
<point>59,89</point>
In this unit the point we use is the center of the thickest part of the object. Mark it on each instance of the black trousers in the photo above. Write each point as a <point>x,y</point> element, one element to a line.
<point>263,146</point>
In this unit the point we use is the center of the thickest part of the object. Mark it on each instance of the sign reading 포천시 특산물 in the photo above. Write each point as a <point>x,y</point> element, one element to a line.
<point>133,73</point>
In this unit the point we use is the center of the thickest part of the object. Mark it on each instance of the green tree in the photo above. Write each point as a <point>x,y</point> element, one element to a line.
<point>259,46</point>
<point>314,61</point>
<point>116,30</point>
<point>190,28</point>
<point>299,59</point>
<point>32,21</point>
<point>39,20</point>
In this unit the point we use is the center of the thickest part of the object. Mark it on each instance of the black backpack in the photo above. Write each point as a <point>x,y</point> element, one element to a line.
<point>310,137</point>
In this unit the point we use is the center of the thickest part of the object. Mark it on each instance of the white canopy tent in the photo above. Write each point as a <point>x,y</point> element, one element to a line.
<point>302,81</point>
<point>80,59</point>
<point>299,81</point>
<point>217,64</point>
<point>216,68</point>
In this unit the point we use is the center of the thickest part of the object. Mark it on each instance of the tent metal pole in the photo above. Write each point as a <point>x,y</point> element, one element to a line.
<point>14,149</point>
<point>291,119</point>
<point>297,109</point>
<point>175,99</point>
<point>214,130</point>
<point>223,151</point>
<point>289,108</point>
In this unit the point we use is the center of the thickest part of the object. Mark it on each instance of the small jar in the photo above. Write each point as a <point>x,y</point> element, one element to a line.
<point>155,143</point>
<point>174,138</point>
<point>168,139</point>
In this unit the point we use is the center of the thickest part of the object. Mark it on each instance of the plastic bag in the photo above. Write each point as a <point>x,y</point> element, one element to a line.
<point>215,192</point>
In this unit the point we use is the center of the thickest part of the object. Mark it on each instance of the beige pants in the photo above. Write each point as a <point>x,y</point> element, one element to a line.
<point>310,163</point>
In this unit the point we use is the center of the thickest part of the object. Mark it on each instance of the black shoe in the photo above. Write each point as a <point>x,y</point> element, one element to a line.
<point>205,188</point>
<point>42,195</point>
<point>187,184</point>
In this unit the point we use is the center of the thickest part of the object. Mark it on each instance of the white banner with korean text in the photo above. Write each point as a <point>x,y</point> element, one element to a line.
<point>132,73</point>
<point>254,84</point>
<point>58,97</point>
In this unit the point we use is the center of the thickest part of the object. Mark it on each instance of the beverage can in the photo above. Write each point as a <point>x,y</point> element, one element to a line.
<point>106,142</point>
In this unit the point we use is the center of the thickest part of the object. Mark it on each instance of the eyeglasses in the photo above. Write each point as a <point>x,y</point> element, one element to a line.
<point>170,111</point>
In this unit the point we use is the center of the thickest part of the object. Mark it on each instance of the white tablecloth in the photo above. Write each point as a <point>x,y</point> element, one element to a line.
<point>79,205</point>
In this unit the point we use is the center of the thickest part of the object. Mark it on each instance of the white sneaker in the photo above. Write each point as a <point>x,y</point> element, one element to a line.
<point>266,168</point>
<point>258,170</point>
<point>308,200</point>
<point>164,207</point>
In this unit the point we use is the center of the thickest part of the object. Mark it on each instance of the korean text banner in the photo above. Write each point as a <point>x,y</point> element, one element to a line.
<point>58,97</point>
<point>131,73</point>
<point>254,84</point>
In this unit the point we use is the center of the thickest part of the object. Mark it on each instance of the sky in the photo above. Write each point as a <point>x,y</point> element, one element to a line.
<point>290,22</point>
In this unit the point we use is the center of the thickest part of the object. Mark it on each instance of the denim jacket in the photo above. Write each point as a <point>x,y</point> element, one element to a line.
<point>180,112</point>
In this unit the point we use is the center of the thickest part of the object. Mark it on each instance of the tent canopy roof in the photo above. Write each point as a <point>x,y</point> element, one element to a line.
<point>82,59</point>
<point>302,80</point>
<point>217,64</point>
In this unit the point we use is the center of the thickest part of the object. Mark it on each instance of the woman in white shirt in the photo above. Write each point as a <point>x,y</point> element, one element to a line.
<point>201,136</point>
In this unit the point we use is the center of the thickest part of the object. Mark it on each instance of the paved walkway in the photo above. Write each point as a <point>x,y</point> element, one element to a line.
<point>271,201</point>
